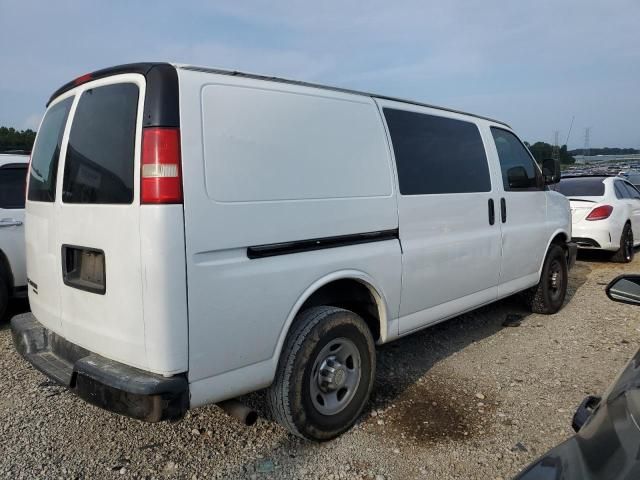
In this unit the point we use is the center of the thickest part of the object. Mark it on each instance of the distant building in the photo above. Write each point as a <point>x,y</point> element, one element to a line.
<point>581,159</point>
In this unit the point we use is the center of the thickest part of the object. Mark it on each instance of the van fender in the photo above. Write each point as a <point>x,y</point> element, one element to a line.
<point>557,232</point>
<point>357,275</point>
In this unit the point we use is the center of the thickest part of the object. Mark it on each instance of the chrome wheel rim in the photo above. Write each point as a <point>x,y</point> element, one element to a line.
<point>335,376</point>
<point>556,279</point>
<point>628,245</point>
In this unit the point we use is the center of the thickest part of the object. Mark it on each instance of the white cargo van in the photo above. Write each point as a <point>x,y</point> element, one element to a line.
<point>196,234</point>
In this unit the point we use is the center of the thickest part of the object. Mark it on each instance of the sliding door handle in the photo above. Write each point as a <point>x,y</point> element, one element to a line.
<point>503,210</point>
<point>492,212</point>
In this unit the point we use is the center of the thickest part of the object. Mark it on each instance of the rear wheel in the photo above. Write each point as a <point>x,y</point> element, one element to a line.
<point>4,297</point>
<point>548,296</point>
<point>625,253</point>
<point>325,374</point>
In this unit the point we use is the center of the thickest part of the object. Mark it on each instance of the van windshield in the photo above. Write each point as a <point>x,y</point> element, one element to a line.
<point>581,187</point>
<point>100,155</point>
<point>44,161</point>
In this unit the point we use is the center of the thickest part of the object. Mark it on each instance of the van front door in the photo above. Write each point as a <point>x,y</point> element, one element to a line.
<point>448,224</point>
<point>523,211</point>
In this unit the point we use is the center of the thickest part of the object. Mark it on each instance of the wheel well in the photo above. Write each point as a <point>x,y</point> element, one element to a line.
<point>351,295</point>
<point>5,270</point>
<point>560,239</point>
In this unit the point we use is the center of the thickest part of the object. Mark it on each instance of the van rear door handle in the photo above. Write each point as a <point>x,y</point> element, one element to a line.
<point>503,210</point>
<point>10,222</point>
<point>492,212</point>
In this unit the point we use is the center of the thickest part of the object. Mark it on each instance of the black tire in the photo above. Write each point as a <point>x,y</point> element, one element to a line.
<point>290,396</point>
<point>625,253</point>
<point>548,296</point>
<point>4,297</point>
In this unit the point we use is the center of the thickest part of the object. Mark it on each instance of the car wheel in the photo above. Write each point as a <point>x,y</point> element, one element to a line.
<point>325,374</point>
<point>4,297</point>
<point>625,253</point>
<point>548,296</point>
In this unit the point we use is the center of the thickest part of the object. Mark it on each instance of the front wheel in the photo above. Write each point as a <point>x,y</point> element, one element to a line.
<point>548,296</point>
<point>325,374</point>
<point>625,253</point>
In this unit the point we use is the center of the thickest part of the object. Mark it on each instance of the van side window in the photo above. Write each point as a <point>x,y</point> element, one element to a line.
<point>100,156</point>
<point>437,154</point>
<point>519,170</point>
<point>12,181</point>
<point>46,151</point>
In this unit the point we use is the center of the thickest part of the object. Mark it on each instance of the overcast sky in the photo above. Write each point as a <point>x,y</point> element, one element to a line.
<point>533,64</point>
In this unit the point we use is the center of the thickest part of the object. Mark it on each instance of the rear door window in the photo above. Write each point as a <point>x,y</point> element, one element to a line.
<point>12,182</point>
<point>437,154</point>
<point>519,170</point>
<point>46,151</point>
<point>100,155</point>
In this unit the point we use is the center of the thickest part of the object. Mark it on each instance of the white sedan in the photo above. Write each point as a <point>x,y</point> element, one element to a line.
<point>13,272</point>
<point>605,213</point>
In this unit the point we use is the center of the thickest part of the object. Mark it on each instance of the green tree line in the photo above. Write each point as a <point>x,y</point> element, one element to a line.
<point>12,139</point>
<point>542,151</point>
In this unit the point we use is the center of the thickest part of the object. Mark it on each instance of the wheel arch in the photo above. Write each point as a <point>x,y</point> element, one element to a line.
<point>560,237</point>
<point>379,331</point>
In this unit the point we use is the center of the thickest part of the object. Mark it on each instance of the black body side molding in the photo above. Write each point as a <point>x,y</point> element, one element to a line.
<point>286,248</point>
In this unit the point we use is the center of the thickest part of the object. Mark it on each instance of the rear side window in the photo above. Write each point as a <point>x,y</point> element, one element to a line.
<point>621,192</point>
<point>12,182</point>
<point>46,151</point>
<point>631,190</point>
<point>100,155</point>
<point>581,187</point>
<point>436,154</point>
<point>519,171</point>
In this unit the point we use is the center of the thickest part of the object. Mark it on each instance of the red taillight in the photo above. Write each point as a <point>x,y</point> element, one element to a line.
<point>82,79</point>
<point>600,213</point>
<point>160,175</point>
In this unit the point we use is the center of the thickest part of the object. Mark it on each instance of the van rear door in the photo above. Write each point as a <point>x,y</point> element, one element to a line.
<point>99,222</point>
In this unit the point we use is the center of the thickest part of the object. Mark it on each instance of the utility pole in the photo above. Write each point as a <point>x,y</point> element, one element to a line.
<point>587,148</point>
<point>555,153</point>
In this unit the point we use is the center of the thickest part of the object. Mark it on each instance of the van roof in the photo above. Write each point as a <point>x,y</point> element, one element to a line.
<point>144,67</point>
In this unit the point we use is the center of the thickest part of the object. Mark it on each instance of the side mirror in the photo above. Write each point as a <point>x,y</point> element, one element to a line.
<point>517,177</point>
<point>625,289</point>
<point>551,171</point>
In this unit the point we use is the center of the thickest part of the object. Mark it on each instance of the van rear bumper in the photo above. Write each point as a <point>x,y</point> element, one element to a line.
<point>102,382</point>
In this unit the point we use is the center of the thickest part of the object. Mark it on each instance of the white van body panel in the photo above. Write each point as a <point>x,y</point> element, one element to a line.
<point>230,128</point>
<point>443,235</point>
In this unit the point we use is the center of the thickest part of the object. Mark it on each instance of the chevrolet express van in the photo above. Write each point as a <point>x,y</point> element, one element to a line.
<point>195,234</point>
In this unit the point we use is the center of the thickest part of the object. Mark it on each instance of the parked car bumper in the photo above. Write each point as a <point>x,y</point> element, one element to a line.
<point>102,382</point>
<point>594,236</point>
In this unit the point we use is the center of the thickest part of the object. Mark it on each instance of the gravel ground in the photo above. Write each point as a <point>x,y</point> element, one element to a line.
<point>468,398</point>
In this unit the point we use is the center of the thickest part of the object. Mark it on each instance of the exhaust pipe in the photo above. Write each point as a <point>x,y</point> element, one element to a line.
<point>239,411</point>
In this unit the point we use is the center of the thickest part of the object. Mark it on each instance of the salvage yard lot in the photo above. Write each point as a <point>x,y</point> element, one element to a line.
<point>468,398</point>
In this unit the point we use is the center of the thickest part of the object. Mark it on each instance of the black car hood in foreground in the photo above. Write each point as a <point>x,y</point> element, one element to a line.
<point>608,444</point>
